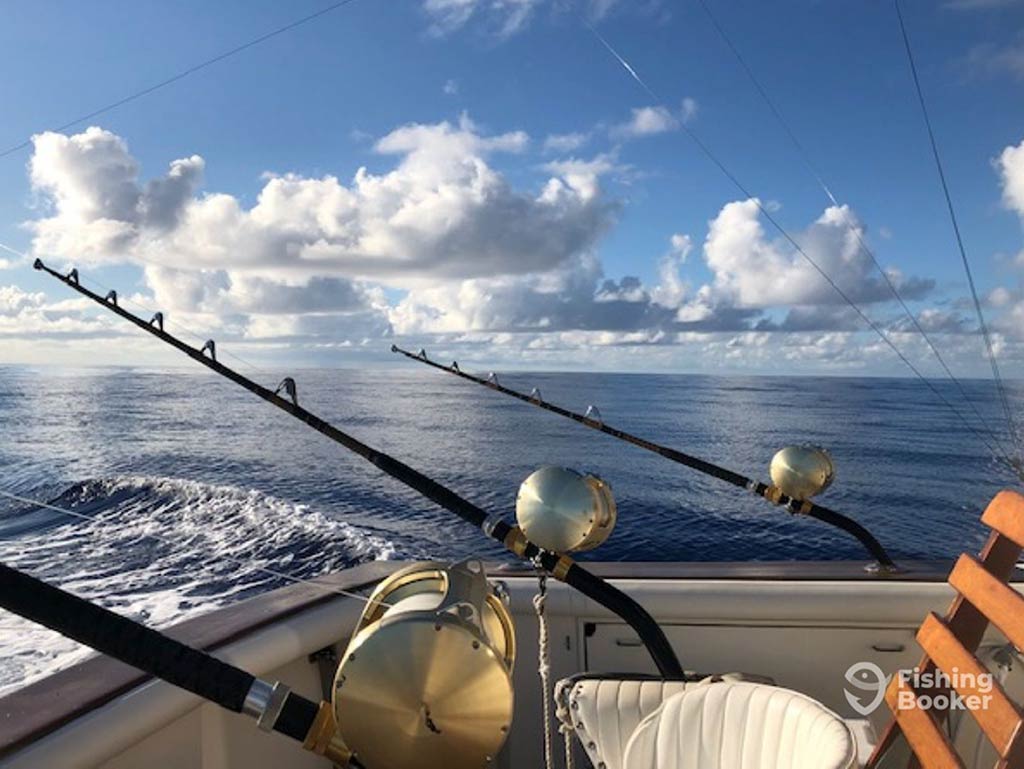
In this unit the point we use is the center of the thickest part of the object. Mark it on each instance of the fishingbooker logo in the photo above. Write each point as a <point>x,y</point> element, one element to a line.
<point>867,677</point>
<point>935,689</point>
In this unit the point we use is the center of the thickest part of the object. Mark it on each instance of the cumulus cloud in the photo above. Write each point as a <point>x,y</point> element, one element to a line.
<point>574,297</point>
<point>646,121</point>
<point>1010,164</point>
<point>475,259</point>
<point>30,315</point>
<point>650,121</point>
<point>442,211</point>
<point>757,284</point>
<point>752,270</point>
<point>565,142</point>
<point>92,182</point>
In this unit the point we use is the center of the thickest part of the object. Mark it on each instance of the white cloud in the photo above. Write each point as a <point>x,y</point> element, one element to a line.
<point>481,262</point>
<point>29,315</point>
<point>442,211</point>
<point>509,17</point>
<point>450,87</point>
<point>650,121</point>
<point>997,59</point>
<point>751,270</point>
<point>584,176</point>
<point>1011,167</point>
<point>689,109</point>
<point>565,142</point>
<point>647,121</point>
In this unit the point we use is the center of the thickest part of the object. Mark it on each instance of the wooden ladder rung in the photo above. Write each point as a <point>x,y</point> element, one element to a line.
<point>1005,514</point>
<point>997,716</point>
<point>925,737</point>
<point>1001,604</point>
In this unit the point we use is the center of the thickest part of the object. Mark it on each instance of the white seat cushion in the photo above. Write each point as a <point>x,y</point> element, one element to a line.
<point>603,711</point>
<point>740,725</point>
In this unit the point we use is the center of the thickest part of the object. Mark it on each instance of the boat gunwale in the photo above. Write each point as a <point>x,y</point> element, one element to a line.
<point>34,711</point>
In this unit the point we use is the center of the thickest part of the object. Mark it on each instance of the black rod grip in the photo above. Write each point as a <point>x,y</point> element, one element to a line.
<point>124,639</point>
<point>144,648</point>
<point>650,632</point>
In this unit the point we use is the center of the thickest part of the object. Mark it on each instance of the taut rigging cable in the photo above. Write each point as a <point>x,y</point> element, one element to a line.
<point>710,155</point>
<point>850,223</point>
<point>1000,388</point>
<point>184,73</point>
<point>561,567</point>
<point>770,493</point>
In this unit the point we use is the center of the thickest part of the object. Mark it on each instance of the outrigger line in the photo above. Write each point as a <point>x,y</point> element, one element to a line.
<point>561,567</point>
<point>592,418</point>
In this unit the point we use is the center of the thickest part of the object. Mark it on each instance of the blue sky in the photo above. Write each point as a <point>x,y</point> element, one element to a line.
<point>499,274</point>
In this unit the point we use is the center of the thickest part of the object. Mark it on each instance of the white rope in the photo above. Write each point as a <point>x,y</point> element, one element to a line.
<point>176,545</point>
<point>567,735</point>
<point>544,667</point>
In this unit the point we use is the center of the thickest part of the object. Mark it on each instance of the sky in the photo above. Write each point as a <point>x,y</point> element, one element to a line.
<point>517,183</point>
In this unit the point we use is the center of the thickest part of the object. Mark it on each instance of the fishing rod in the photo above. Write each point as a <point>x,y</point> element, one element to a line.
<point>559,566</point>
<point>769,492</point>
<point>272,704</point>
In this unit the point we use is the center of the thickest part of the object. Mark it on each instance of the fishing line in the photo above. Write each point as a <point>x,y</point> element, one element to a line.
<point>850,223</point>
<point>706,150</point>
<point>175,545</point>
<point>170,322</point>
<point>1010,424</point>
<point>167,321</point>
<point>184,73</point>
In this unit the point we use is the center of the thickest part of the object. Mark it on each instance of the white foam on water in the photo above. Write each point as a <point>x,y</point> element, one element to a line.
<point>220,538</point>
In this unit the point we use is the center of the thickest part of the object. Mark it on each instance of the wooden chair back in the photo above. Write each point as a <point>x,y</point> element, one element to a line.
<point>950,642</point>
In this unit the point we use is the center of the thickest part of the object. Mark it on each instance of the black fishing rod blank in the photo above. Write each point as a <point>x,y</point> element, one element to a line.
<point>561,567</point>
<point>271,704</point>
<point>766,491</point>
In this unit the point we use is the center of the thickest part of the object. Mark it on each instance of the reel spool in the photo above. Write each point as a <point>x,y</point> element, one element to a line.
<point>426,680</point>
<point>801,472</point>
<point>564,511</point>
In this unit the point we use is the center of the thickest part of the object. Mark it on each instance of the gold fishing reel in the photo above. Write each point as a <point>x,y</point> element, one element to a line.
<point>801,472</point>
<point>426,681</point>
<point>564,511</point>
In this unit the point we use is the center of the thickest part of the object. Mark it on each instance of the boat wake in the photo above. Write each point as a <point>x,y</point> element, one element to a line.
<point>161,550</point>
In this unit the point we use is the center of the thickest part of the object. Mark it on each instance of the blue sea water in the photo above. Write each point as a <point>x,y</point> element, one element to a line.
<point>228,485</point>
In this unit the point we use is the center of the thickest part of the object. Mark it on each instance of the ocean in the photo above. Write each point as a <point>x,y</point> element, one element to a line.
<point>229,485</point>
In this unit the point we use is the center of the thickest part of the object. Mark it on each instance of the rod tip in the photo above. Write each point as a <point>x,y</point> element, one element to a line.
<point>37,264</point>
<point>394,348</point>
